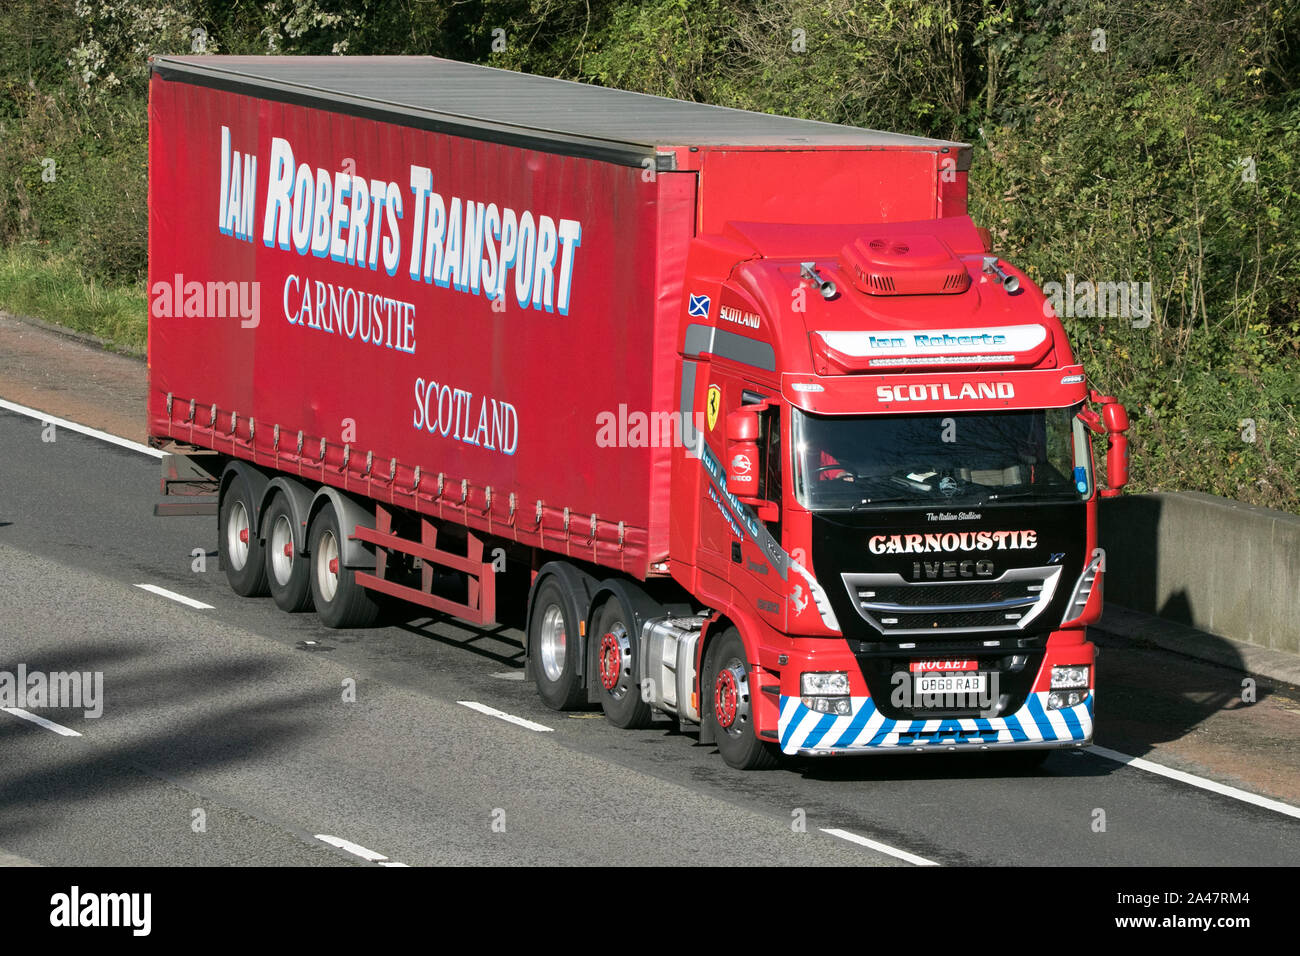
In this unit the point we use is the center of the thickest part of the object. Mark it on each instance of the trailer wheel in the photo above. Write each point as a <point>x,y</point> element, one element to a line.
<point>727,704</point>
<point>340,600</point>
<point>238,546</point>
<point>553,646</point>
<point>287,572</point>
<point>614,644</point>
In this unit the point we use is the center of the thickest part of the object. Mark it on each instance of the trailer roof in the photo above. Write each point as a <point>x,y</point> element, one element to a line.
<point>503,106</point>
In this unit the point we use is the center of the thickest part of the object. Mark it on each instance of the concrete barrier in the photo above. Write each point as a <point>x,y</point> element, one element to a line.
<point>1223,567</point>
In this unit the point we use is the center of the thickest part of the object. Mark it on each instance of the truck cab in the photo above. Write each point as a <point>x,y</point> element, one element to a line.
<point>893,489</point>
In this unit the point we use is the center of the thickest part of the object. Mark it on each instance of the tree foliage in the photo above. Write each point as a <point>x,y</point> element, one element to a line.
<point>1133,141</point>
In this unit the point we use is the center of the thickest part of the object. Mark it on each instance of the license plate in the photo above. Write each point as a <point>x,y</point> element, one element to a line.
<point>951,683</point>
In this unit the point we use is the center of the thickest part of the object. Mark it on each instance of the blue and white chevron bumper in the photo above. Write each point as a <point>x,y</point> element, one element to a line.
<point>867,730</point>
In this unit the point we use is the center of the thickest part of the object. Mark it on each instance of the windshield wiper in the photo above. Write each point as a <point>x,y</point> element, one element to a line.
<point>1046,494</point>
<point>868,502</point>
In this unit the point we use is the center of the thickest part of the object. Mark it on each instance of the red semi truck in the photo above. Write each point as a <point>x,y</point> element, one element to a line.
<point>770,440</point>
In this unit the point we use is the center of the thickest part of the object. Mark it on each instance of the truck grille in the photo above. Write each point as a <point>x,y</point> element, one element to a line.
<point>982,592</point>
<point>895,606</point>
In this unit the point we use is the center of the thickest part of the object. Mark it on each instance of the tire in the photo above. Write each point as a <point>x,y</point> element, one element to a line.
<point>616,669</point>
<point>287,571</point>
<point>553,646</point>
<point>726,703</point>
<point>238,546</point>
<point>340,600</point>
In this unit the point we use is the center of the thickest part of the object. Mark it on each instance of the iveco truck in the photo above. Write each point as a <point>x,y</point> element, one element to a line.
<point>739,415</point>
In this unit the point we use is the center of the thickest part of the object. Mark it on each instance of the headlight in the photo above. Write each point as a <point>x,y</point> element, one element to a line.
<point>832,683</point>
<point>1065,699</point>
<point>1069,677</point>
<point>840,706</point>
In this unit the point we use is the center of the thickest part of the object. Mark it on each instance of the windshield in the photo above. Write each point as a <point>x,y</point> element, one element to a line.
<point>847,463</point>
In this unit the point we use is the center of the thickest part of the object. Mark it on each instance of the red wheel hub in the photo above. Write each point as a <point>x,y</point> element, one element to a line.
<point>726,697</point>
<point>334,565</point>
<point>243,536</point>
<point>288,550</point>
<point>611,661</point>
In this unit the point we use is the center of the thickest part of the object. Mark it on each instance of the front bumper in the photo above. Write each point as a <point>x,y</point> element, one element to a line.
<point>867,731</point>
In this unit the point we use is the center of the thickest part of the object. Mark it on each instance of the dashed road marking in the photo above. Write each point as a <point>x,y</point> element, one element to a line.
<point>356,849</point>
<point>1190,778</point>
<point>173,596</point>
<point>880,847</point>
<point>502,715</point>
<point>41,721</point>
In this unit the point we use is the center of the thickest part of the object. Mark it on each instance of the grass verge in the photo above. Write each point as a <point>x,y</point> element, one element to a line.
<point>45,283</point>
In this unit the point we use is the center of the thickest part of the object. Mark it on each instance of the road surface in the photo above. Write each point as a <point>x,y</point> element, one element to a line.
<point>232,733</point>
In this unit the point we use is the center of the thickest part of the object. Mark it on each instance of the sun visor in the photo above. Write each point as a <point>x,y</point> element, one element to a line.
<point>920,392</point>
<point>858,351</point>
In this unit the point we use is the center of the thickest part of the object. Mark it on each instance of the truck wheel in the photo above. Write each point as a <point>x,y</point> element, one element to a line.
<point>340,600</point>
<point>553,646</point>
<point>727,704</point>
<point>614,643</point>
<point>238,546</point>
<point>287,571</point>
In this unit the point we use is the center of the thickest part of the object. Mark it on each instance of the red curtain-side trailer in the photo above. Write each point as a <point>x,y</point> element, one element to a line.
<point>425,328</point>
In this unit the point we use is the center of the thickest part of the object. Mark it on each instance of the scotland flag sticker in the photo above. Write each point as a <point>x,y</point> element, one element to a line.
<point>698,306</point>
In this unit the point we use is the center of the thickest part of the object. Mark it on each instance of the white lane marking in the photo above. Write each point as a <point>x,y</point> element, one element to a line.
<point>880,847</point>
<point>1190,778</point>
<point>79,428</point>
<point>510,675</point>
<point>173,596</point>
<point>356,849</point>
<point>47,724</point>
<point>493,712</point>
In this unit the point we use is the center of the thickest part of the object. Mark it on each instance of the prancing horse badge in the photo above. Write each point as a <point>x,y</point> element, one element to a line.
<point>712,403</point>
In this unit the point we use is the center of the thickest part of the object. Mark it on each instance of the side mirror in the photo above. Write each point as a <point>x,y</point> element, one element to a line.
<point>1115,417</point>
<point>742,453</point>
<point>742,425</point>
<point>742,469</point>
<point>1116,465</point>
<point>743,462</point>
